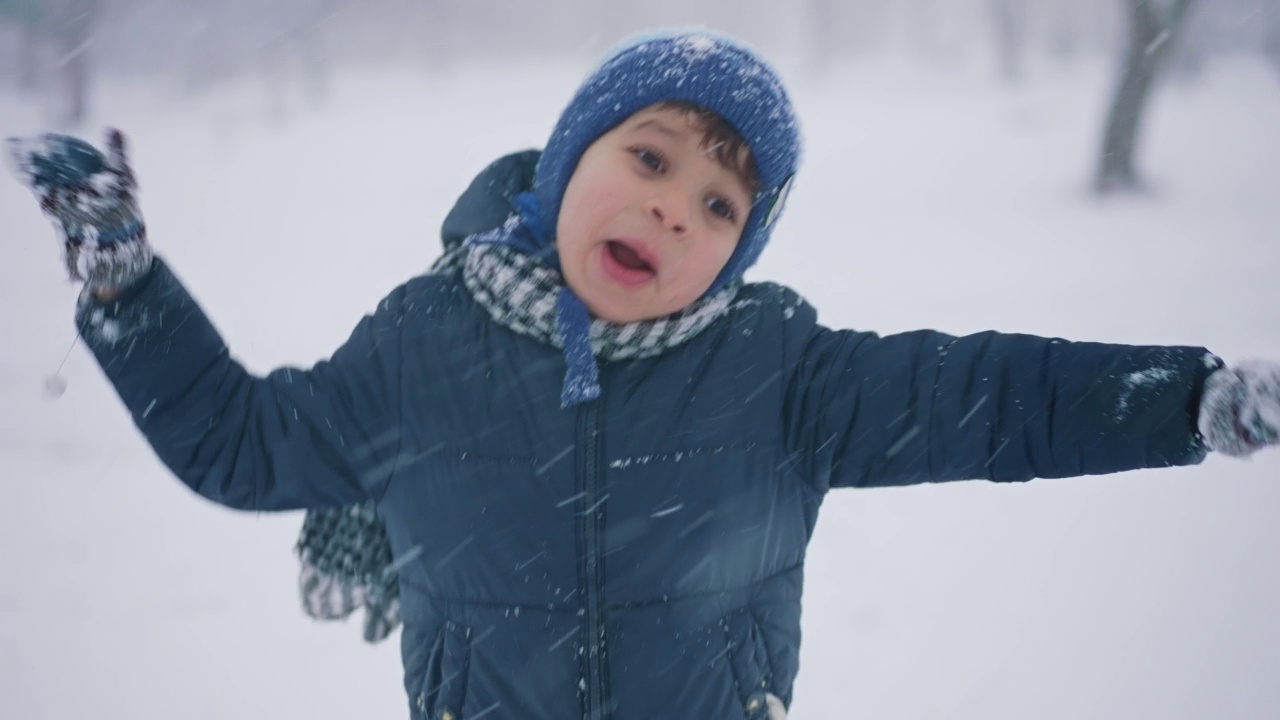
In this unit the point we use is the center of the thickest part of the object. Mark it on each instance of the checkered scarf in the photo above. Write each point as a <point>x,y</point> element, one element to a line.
<point>346,563</point>
<point>345,555</point>
<point>521,293</point>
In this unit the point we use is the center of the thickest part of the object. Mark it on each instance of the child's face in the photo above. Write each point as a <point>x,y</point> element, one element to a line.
<point>649,218</point>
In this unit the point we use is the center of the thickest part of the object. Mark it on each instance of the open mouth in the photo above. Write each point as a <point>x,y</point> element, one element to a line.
<point>625,263</point>
<point>627,257</point>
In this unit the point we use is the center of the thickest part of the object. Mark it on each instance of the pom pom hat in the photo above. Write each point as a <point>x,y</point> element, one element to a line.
<point>701,67</point>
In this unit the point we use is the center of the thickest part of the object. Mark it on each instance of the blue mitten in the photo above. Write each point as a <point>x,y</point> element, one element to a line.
<point>1240,408</point>
<point>90,199</point>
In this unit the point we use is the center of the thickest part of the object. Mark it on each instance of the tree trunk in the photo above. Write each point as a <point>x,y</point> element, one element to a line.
<point>28,16</point>
<point>69,27</point>
<point>1150,35</point>
<point>1064,29</point>
<point>1010,23</point>
<point>76,70</point>
<point>1271,36</point>
<point>28,57</point>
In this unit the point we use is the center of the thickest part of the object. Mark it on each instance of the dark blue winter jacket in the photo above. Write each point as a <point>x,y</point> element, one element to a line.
<point>640,556</point>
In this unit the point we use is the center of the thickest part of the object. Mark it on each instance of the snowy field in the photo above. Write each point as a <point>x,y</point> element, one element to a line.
<point>928,199</point>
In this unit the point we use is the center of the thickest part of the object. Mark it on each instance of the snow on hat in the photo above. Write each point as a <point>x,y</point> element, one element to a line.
<point>701,67</point>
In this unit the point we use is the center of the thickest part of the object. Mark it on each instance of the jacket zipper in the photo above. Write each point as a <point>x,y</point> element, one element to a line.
<point>591,525</point>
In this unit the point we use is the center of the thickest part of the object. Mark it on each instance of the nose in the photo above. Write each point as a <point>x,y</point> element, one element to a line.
<point>669,211</point>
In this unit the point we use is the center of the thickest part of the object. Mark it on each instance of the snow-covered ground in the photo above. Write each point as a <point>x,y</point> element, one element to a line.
<point>937,199</point>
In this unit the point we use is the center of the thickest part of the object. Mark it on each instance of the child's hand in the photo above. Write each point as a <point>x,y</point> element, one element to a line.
<point>90,199</point>
<point>1240,409</point>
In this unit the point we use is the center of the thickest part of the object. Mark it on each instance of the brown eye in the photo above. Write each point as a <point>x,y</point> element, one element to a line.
<point>651,159</point>
<point>721,208</point>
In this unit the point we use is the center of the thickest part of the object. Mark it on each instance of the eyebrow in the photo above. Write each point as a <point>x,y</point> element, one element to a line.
<point>658,125</point>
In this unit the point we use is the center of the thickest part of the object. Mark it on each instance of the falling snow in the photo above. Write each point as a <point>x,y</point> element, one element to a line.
<point>957,205</point>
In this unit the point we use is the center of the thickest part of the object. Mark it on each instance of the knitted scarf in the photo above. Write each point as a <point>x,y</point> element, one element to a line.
<point>523,295</point>
<point>346,558</point>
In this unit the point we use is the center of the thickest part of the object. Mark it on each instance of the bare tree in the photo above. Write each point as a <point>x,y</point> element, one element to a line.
<point>72,24</point>
<point>54,38</point>
<point>292,53</point>
<point>24,15</point>
<point>1063,28</point>
<point>28,57</point>
<point>1271,35</point>
<point>1010,19</point>
<point>1151,32</point>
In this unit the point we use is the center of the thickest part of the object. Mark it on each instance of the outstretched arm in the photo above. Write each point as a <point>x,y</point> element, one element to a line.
<point>295,438</point>
<point>928,407</point>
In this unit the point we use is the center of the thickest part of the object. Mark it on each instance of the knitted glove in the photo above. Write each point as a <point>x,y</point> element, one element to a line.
<point>90,199</point>
<point>1240,408</point>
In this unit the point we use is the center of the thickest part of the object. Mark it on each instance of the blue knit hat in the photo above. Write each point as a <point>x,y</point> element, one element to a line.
<point>700,67</point>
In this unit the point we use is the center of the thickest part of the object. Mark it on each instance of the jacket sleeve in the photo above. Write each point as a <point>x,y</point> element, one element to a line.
<point>863,410</point>
<point>292,439</point>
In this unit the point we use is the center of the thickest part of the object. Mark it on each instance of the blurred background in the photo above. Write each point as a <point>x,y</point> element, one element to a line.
<point>1092,169</point>
<point>57,53</point>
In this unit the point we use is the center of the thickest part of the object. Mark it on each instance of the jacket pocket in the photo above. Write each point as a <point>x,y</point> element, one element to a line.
<point>444,684</point>
<point>749,661</point>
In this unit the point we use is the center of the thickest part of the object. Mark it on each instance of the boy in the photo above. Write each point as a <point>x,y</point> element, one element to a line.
<point>599,455</point>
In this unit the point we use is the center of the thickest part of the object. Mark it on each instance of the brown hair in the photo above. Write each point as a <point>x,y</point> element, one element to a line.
<point>721,140</point>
